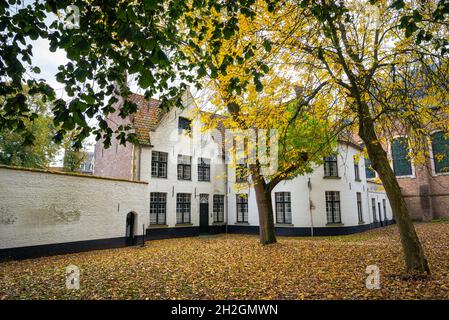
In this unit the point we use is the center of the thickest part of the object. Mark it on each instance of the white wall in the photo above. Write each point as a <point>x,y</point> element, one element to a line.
<point>376,191</point>
<point>298,187</point>
<point>167,138</point>
<point>38,207</point>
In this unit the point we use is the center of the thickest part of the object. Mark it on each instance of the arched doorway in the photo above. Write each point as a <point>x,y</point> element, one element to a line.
<point>130,220</point>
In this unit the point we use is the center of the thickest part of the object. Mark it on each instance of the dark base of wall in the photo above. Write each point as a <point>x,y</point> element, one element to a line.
<point>177,232</point>
<point>307,232</point>
<point>60,248</point>
<point>164,233</point>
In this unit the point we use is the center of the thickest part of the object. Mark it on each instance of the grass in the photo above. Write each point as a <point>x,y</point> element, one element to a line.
<point>238,267</point>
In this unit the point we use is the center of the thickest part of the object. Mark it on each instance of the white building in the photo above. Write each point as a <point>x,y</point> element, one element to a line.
<point>192,190</point>
<point>175,182</point>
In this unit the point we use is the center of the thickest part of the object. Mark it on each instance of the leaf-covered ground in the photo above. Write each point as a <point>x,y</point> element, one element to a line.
<point>237,267</point>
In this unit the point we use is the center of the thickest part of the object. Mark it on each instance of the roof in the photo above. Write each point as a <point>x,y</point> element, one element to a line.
<point>350,139</point>
<point>70,174</point>
<point>147,117</point>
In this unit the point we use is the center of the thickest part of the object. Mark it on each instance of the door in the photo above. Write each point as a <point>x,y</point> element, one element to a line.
<point>130,229</point>
<point>204,213</point>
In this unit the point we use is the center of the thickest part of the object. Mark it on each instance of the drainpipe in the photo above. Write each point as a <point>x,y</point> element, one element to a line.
<point>140,161</point>
<point>226,195</point>
<point>369,206</point>
<point>309,187</point>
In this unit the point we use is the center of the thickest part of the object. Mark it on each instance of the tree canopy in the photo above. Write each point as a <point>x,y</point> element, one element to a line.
<point>112,39</point>
<point>13,149</point>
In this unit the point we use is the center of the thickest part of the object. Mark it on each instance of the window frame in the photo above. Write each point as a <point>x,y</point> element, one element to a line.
<point>243,204</point>
<point>183,167</point>
<point>284,205</point>
<point>183,208</point>
<point>369,168</point>
<point>394,162</point>
<point>157,205</point>
<point>159,164</point>
<point>356,170</point>
<point>360,207</point>
<point>380,212</point>
<point>373,208</point>
<point>328,163</point>
<point>333,202</point>
<point>241,173</point>
<point>218,208</point>
<point>432,154</point>
<point>204,169</point>
<point>182,121</point>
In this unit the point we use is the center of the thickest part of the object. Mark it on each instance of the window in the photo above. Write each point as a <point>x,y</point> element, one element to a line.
<point>283,207</point>
<point>373,206</point>
<point>380,212</point>
<point>356,170</point>
<point>401,162</point>
<point>370,173</point>
<point>241,173</point>
<point>158,207</point>
<point>183,208</point>
<point>184,124</point>
<point>384,203</point>
<point>359,207</point>
<point>203,169</point>
<point>218,209</point>
<point>440,150</point>
<point>184,167</point>
<point>333,207</point>
<point>159,164</point>
<point>330,166</point>
<point>242,207</point>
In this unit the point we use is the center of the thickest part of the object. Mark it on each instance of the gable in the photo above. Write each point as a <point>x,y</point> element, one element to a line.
<point>147,117</point>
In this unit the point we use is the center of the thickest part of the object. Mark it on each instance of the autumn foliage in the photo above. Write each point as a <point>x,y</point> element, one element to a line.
<point>237,267</point>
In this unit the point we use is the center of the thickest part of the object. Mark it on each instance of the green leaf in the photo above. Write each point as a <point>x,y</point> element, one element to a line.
<point>265,68</point>
<point>398,4</point>
<point>267,45</point>
<point>146,79</point>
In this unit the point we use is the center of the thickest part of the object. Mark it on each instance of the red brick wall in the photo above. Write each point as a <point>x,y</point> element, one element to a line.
<point>426,195</point>
<point>117,160</point>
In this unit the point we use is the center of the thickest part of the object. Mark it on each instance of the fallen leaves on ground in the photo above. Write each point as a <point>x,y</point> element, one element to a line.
<point>238,267</point>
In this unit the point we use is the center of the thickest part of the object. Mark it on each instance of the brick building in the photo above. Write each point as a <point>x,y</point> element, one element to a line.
<point>425,187</point>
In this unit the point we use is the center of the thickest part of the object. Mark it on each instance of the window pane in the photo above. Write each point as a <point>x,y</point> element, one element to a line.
<point>330,166</point>
<point>401,162</point>
<point>283,207</point>
<point>159,164</point>
<point>440,150</point>
<point>158,208</point>
<point>184,124</point>
<point>333,206</point>
<point>370,173</point>
<point>218,208</point>
<point>242,208</point>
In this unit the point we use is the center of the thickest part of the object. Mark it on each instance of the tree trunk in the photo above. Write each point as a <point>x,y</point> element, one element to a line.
<point>415,259</point>
<point>266,217</point>
<point>264,206</point>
